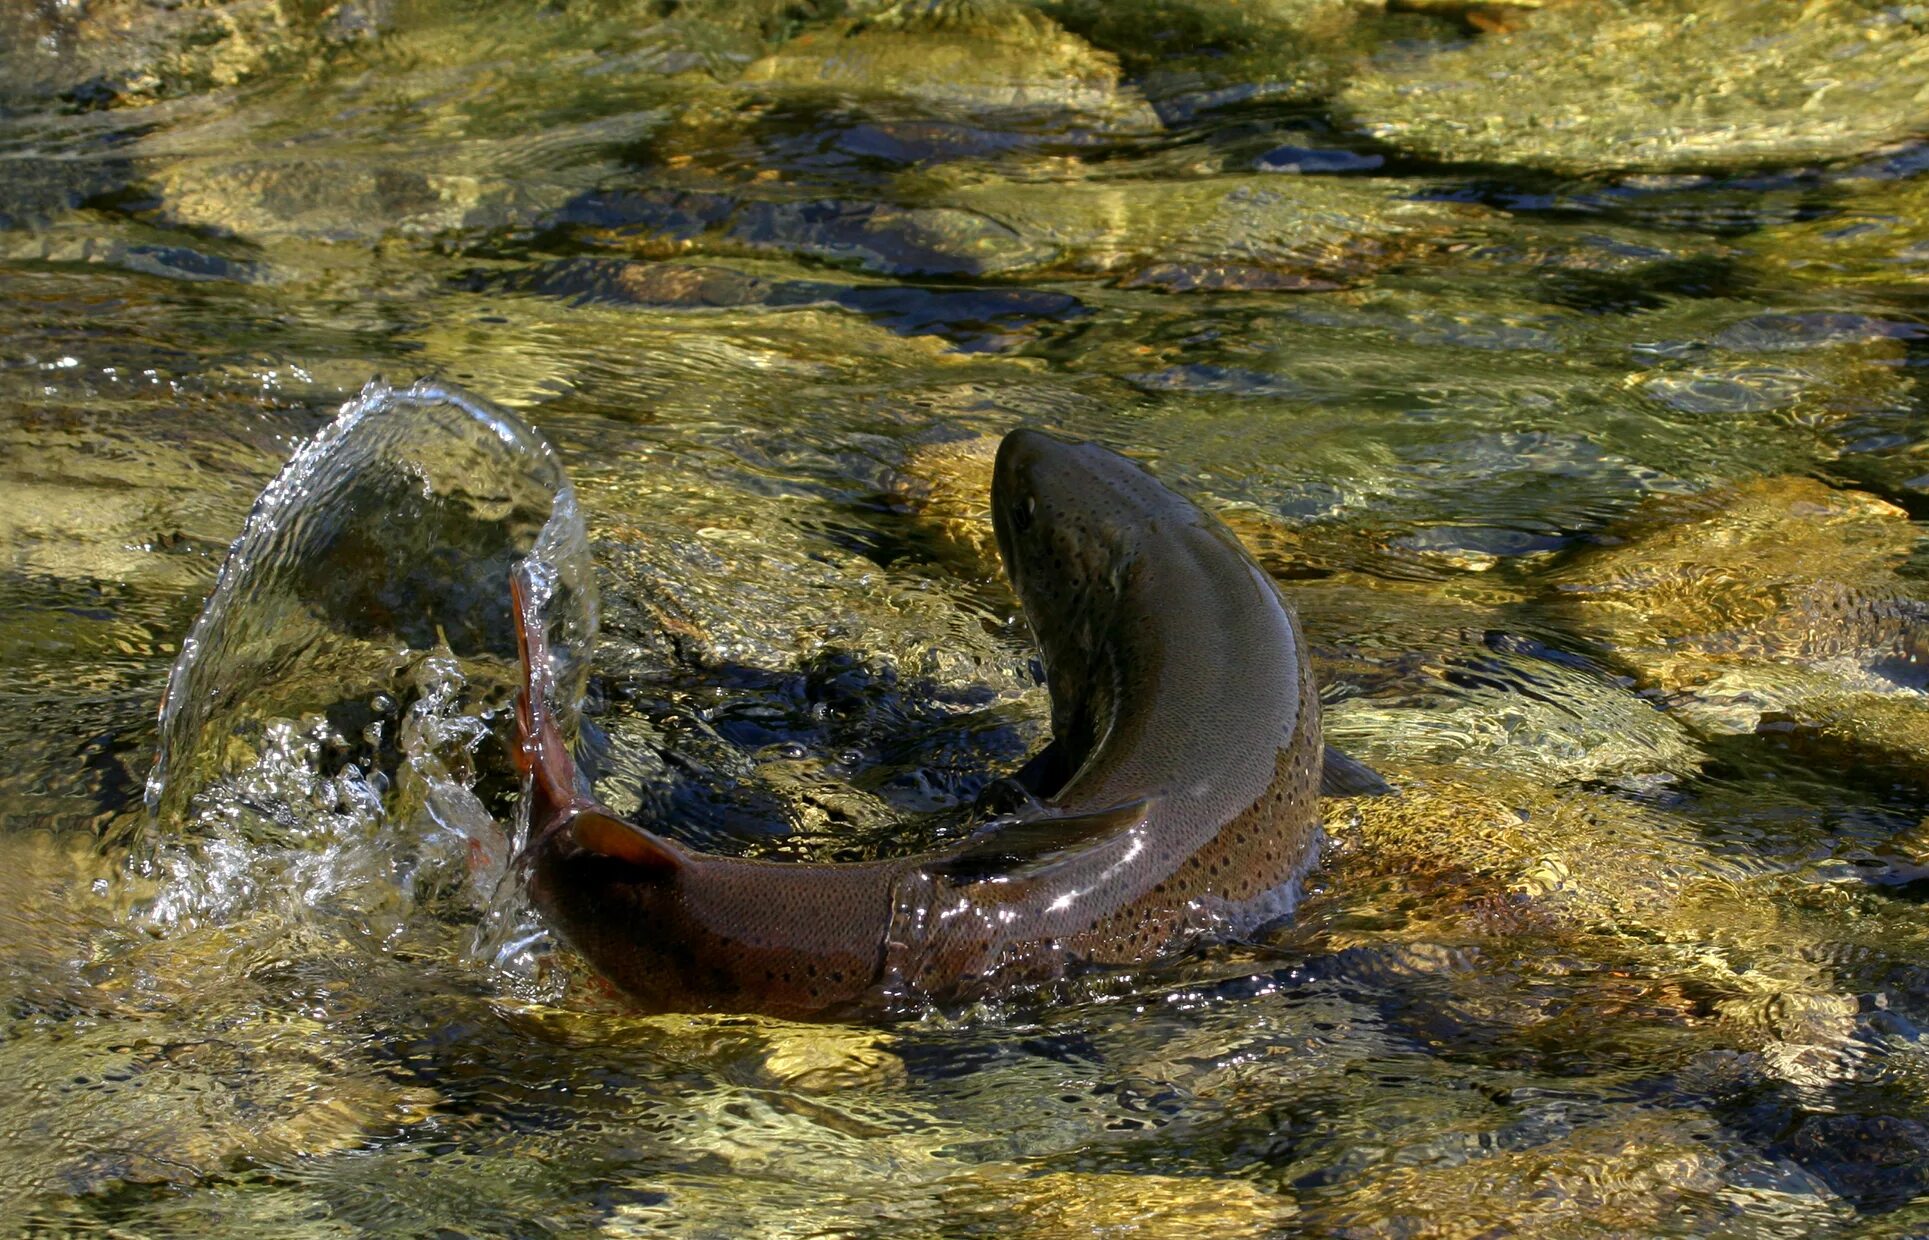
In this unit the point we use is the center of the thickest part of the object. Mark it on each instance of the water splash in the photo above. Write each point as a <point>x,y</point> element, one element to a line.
<point>325,733</point>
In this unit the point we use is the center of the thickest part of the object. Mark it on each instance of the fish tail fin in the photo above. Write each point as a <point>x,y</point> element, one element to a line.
<point>540,750</point>
<point>557,794</point>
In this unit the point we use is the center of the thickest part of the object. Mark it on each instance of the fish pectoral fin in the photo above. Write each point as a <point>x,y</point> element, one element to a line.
<point>1030,848</point>
<point>1342,776</point>
<point>609,836</point>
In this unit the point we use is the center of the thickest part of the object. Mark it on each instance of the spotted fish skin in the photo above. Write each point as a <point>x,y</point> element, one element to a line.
<point>1179,798</point>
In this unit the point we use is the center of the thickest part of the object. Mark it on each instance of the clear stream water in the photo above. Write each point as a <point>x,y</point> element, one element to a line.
<point>1564,360</point>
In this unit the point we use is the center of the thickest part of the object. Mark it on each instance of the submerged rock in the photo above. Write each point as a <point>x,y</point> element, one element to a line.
<point>1511,708</point>
<point>879,237</point>
<point>1771,607</point>
<point>1876,238</point>
<point>1190,56</point>
<point>993,60</point>
<point>1217,234</point>
<point>1507,853</point>
<point>1633,1173</point>
<point>974,319</point>
<point>120,53</point>
<point>165,1062</point>
<point>1772,569</point>
<point>1129,1205</point>
<point>348,198</point>
<point>947,485</point>
<point>1682,85</point>
<point>1220,234</point>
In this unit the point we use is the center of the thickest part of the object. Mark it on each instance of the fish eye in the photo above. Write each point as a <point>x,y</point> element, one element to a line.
<point>1022,513</point>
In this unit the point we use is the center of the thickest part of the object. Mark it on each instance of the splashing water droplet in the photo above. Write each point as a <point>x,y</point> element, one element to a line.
<point>321,730</point>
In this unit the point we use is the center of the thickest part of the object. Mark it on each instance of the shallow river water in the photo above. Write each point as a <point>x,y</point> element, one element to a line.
<point>1565,361</point>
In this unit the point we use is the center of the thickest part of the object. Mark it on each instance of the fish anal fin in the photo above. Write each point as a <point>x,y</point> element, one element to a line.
<point>1341,776</point>
<point>1026,849</point>
<point>609,836</point>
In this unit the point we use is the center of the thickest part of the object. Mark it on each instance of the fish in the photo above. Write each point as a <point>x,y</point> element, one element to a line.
<point>1177,801</point>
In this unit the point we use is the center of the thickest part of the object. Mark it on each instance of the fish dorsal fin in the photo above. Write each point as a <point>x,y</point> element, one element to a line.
<point>1342,776</point>
<point>1030,848</point>
<point>609,836</point>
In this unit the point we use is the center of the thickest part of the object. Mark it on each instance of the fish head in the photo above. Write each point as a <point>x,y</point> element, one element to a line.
<point>1070,519</point>
<point>1072,522</point>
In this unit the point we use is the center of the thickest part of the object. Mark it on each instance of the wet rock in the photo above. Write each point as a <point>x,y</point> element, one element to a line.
<point>1677,86</point>
<point>987,59</point>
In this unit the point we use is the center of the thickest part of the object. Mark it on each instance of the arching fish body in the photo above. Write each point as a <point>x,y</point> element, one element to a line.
<point>1178,799</point>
